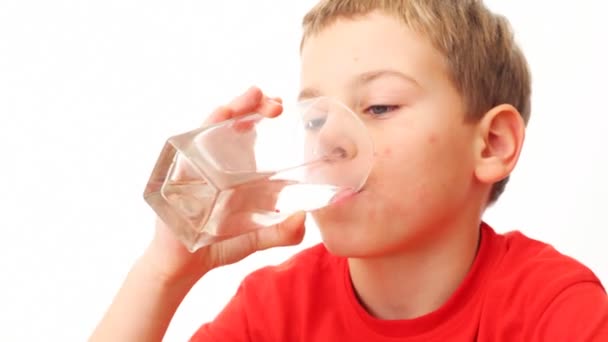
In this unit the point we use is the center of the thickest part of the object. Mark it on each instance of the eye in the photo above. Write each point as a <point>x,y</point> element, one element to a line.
<point>314,124</point>
<point>379,110</point>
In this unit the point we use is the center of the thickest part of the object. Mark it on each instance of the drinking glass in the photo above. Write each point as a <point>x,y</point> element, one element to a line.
<point>252,172</point>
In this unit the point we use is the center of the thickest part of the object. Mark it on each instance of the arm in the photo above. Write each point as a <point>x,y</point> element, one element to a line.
<point>156,285</point>
<point>161,278</point>
<point>144,306</point>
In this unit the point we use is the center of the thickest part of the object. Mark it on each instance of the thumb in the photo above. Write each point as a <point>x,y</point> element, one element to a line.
<point>287,233</point>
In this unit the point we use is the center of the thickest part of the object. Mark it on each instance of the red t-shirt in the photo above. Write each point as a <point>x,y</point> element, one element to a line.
<point>518,289</point>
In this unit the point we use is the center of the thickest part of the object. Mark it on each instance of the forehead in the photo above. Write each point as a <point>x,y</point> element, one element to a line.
<point>350,47</point>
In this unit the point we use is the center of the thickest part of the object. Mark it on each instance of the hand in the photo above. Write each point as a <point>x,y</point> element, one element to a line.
<point>171,261</point>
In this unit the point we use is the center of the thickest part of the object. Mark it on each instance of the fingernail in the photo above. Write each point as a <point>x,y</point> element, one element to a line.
<point>271,100</point>
<point>296,218</point>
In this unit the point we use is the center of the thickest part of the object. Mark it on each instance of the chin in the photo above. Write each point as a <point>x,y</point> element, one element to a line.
<point>340,215</point>
<point>349,246</point>
<point>344,231</point>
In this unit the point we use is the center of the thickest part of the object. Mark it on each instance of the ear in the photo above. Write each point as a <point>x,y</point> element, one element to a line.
<point>500,139</point>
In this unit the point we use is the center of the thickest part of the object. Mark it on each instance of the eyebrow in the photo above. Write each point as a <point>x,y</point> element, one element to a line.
<point>363,79</point>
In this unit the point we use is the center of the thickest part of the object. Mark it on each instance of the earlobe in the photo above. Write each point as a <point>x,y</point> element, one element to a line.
<point>501,136</point>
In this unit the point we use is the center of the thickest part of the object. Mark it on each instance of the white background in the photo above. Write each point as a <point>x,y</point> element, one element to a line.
<point>90,90</point>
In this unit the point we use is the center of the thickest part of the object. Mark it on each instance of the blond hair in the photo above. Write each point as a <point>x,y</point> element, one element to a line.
<point>484,62</point>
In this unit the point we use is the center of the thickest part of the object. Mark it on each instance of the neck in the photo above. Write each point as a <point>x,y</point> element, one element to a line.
<point>413,283</point>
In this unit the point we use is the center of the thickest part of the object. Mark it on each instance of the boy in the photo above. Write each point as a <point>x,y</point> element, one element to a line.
<point>445,94</point>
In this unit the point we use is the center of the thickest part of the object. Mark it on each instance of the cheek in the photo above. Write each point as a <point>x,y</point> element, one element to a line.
<point>432,139</point>
<point>410,171</point>
<point>449,167</point>
<point>395,176</point>
<point>387,152</point>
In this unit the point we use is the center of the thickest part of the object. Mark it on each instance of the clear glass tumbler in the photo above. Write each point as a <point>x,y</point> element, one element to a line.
<point>251,172</point>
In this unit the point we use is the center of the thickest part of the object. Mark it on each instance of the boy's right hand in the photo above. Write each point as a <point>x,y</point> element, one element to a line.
<point>169,261</point>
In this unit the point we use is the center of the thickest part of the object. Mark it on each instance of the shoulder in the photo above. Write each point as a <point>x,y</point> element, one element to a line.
<point>534,262</point>
<point>281,294</point>
<point>288,293</point>
<point>530,276</point>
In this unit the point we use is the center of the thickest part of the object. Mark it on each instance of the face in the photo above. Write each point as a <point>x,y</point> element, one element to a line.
<point>398,84</point>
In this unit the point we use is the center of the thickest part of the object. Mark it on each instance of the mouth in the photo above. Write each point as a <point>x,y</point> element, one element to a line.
<point>344,196</point>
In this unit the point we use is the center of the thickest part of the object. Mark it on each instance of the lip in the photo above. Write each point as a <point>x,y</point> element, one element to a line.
<point>343,196</point>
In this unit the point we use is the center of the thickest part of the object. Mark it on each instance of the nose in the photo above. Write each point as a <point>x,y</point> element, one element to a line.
<point>334,132</point>
<point>336,136</point>
<point>334,142</point>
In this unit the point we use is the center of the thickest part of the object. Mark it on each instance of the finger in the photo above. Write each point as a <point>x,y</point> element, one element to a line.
<point>269,107</point>
<point>252,100</point>
<point>287,233</point>
<point>277,99</point>
<point>247,102</point>
<point>246,124</point>
<point>221,113</point>
<point>243,104</point>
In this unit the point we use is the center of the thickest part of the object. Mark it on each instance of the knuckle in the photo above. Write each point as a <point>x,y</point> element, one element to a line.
<point>254,241</point>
